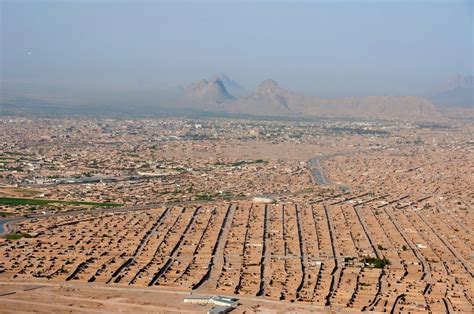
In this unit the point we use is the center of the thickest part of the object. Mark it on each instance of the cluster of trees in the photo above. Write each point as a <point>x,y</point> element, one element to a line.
<point>376,262</point>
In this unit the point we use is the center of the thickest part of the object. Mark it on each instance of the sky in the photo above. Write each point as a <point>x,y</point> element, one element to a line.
<point>336,48</point>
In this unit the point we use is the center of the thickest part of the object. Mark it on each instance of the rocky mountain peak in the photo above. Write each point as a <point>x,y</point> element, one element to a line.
<point>268,85</point>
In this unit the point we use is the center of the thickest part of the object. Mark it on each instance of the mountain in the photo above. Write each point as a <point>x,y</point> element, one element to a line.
<point>205,96</point>
<point>384,107</point>
<point>458,91</point>
<point>208,94</point>
<point>232,86</point>
<point>459,81</point>
<point>272,99</point>
<point>268,99</point>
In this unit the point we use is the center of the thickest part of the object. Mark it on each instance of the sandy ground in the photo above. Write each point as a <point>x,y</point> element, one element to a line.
<point>17,192</point>
<point>46,297</point>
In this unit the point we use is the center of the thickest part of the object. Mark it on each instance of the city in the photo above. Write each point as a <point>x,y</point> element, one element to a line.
<point>333,214</point>
<point>263,156</point>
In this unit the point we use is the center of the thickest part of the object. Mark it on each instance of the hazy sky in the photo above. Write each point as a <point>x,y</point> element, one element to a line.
<point>336,48</point>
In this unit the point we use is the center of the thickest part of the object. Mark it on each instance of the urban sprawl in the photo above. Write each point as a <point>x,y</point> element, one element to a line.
<point>196,215</point>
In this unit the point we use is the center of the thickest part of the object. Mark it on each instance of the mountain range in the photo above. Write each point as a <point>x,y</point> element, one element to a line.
<point>234,88</point>
<point>207,94</point>
<point>458,91</point>
<point>222,95</point>
<point>271,99</point>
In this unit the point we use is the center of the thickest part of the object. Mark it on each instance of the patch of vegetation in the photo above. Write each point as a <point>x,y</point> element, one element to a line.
<point>25,192</point>
<point>205,197</point>
<point>180,169</point>
<point>5,214</point>
<point>17,236</point>
<point>17,169</point>
<point>238,163</point>
<point>376,262</point>
<point>198,137</point>
<point>30,201</point>
<point>432,126</point>
<point>248,162</point>
<point>349,259</point>
<point>359,131</point>
<point>241,163</point>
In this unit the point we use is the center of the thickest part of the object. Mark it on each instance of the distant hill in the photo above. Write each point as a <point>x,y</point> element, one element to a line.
<point>268,99</point>
<point>213,97</point>
<point>207,94</point>
<point>458,91</point>
<point>271,99</point>
<point>234,88</point>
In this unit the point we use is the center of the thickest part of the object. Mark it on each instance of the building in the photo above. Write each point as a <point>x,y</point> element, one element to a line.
<point>223,304</point>
<point>263,199</point>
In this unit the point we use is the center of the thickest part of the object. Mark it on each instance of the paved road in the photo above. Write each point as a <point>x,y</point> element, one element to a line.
<point>317,171</point>
<point>7,224</point>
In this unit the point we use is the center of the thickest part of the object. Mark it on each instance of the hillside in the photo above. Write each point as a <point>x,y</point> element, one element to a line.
<point>456,92</point>
<point>272,99</point>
